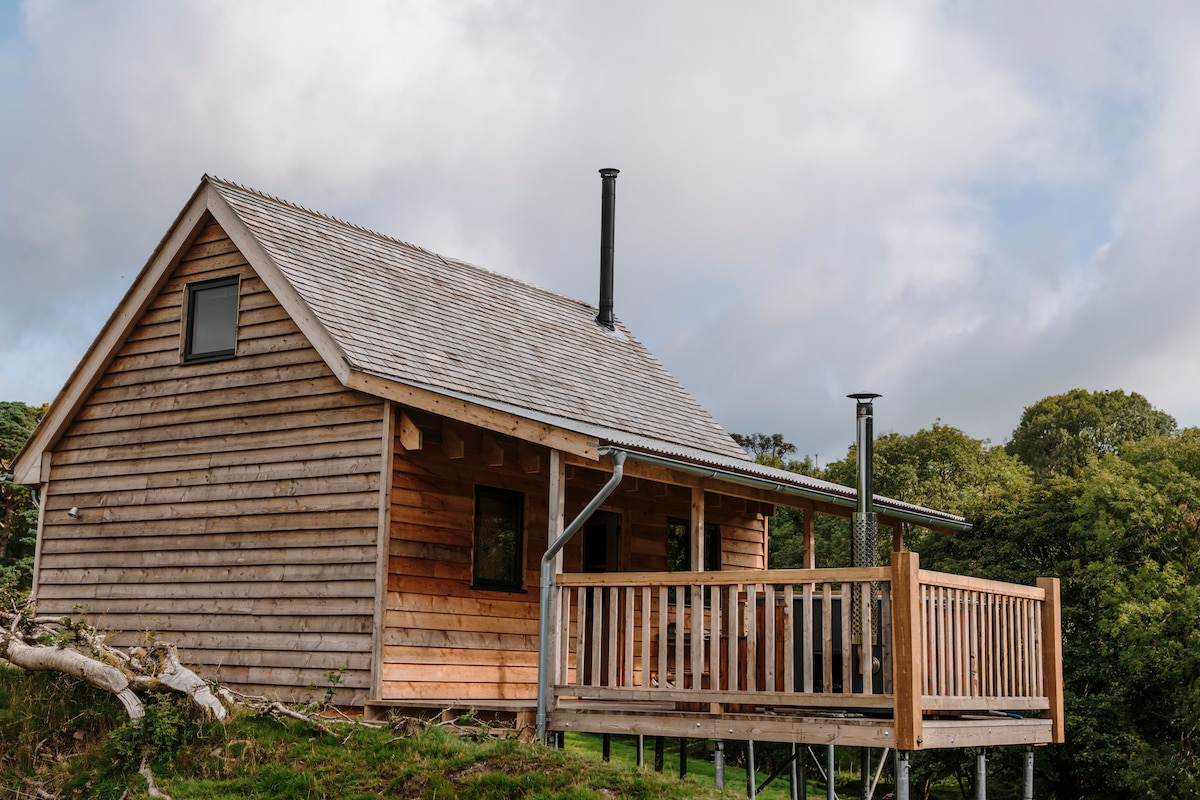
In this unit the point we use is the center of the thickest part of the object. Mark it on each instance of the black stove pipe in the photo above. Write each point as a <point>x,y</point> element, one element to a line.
<point>608,210</point>
<point>864,541</point>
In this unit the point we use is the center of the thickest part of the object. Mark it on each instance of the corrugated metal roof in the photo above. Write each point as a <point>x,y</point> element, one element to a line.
<point>406,314</point>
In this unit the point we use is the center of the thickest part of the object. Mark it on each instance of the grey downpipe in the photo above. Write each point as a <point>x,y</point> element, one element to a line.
<point>547,584</point>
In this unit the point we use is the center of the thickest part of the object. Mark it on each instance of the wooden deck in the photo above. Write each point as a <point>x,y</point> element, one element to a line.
<point>894,656</point>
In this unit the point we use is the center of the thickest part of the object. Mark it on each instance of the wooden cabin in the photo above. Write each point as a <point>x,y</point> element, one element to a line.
<point>309,454</point>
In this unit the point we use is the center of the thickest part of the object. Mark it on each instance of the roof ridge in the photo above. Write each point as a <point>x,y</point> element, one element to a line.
<point>447,260</point>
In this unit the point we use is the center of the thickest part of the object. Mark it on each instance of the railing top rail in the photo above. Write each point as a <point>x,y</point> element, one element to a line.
<point>726,577</point>
<point>949,581</point>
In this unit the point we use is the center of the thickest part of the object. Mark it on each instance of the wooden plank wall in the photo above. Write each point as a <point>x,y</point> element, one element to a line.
<point>445,640</point>
<point>230,506</point>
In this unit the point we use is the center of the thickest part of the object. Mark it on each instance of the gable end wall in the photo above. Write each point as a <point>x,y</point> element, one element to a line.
<point>232,507</point>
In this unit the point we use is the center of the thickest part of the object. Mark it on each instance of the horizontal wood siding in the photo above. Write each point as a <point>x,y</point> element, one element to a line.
<point>230,506</point>
<point>444,639</point>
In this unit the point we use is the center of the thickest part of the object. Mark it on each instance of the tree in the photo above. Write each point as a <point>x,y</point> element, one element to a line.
<point>1059,434</point>
<point>1123,536</point>
<point>769,449</point>
<point>18,515</point>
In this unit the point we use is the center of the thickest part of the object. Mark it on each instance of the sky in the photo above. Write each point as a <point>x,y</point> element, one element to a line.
<point>963,206</point>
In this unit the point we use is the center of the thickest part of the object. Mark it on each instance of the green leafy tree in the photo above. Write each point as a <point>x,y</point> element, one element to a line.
<point>18,515</point>
<point>1122,536</point>
<point>1059,434</point>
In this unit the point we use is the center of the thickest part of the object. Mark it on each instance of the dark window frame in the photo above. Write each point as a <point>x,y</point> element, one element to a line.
<point>483,536</point>
<point>712,536</point>
<point>193,292</point>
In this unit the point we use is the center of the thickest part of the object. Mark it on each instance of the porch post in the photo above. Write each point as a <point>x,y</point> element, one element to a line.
<point>697,532</point>
<point>556,507</point>
<point>810,535</point>
<point>830,793</point>
<point>1052,655</point>
<point>981,773</point>
<point>1027,793</point>
<point>907,669</point>
<point>719,764</point>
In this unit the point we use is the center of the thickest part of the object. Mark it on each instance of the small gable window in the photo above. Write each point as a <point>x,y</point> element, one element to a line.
<point>499,531</point>
<point>212,309</point>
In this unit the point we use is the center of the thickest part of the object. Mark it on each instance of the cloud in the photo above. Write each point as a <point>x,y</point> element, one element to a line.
<point>965,208</point>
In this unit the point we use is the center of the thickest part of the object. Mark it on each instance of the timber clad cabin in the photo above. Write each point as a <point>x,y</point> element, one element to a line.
<point>300,447</point>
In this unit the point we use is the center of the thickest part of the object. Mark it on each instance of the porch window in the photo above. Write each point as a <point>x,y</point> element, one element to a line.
<point>211,321</point>
<point>499,534</point>
<point>679,545</point>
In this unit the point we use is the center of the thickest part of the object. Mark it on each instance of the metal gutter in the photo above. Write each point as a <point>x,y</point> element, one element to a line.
<point>934,520</point>
<point>547,584</point>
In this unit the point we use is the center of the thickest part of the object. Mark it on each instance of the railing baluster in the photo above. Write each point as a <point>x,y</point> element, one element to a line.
<point>645,637</point>
<point>680,663</point>
<point>769,638</point>
<point>867,657</point>
<point>789,638</point>
<point>847,595</point>
<point>714,638</point>
<point>751,638</point>
<point>827,637</point>
<point>734,612</point>
<point>807,654</point>
<point>664,635</point>
<point>628,632</point>
<point>564,634</point>
<point>697,637</point>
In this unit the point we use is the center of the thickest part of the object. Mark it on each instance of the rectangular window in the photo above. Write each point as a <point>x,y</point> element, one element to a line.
<point>499,535</point>
<point>212,309</point>
<point>679,545</point>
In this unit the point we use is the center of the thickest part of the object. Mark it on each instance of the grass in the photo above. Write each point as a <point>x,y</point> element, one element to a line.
<point>71,740</point>
<point>61,735</point>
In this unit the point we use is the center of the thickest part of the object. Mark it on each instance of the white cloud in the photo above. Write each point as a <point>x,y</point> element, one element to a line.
<point>814,197</point>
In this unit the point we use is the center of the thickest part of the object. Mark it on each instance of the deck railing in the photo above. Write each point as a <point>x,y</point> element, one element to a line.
<point>894,637</point>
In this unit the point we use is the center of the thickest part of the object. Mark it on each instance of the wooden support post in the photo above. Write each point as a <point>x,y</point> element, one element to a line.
<point>897,537</point>
<point>493,452</point>
<point>810,536</point>
<point>410,434</point>
<point>683,745</point>
<point>1052,655</point>
<point>529,459</point>
<point>452,443</point>
<point>908,674</point>
<point>697,533</point>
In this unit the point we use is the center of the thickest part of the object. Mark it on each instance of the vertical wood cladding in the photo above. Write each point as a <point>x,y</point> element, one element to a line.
<point>230,506</point>
<point>444,639</point>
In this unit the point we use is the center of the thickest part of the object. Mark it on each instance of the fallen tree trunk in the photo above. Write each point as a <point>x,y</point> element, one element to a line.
<point>42,658</point>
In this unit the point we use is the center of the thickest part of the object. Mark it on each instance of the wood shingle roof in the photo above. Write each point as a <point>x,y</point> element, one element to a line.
<point>407,315</point>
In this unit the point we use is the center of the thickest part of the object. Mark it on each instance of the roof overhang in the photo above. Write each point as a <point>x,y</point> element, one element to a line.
<point>791,489</point>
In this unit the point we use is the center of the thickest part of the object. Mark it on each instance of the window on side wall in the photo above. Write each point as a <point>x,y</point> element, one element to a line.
<point>499,535</point>
<point>679,545</point>
<point>210,331</point>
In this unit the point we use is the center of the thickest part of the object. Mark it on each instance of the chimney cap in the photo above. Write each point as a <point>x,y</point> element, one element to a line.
<point>609,172</point>
<point>863,396</point>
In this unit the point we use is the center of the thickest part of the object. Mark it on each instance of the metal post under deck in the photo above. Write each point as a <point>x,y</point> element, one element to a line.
<point>830,794</point>
<point>1027,794</point>
<point>751,777</point>
<point>798,776</point>
<point>981,773</point>
<point>902,775</point>
<point>719,764</point>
